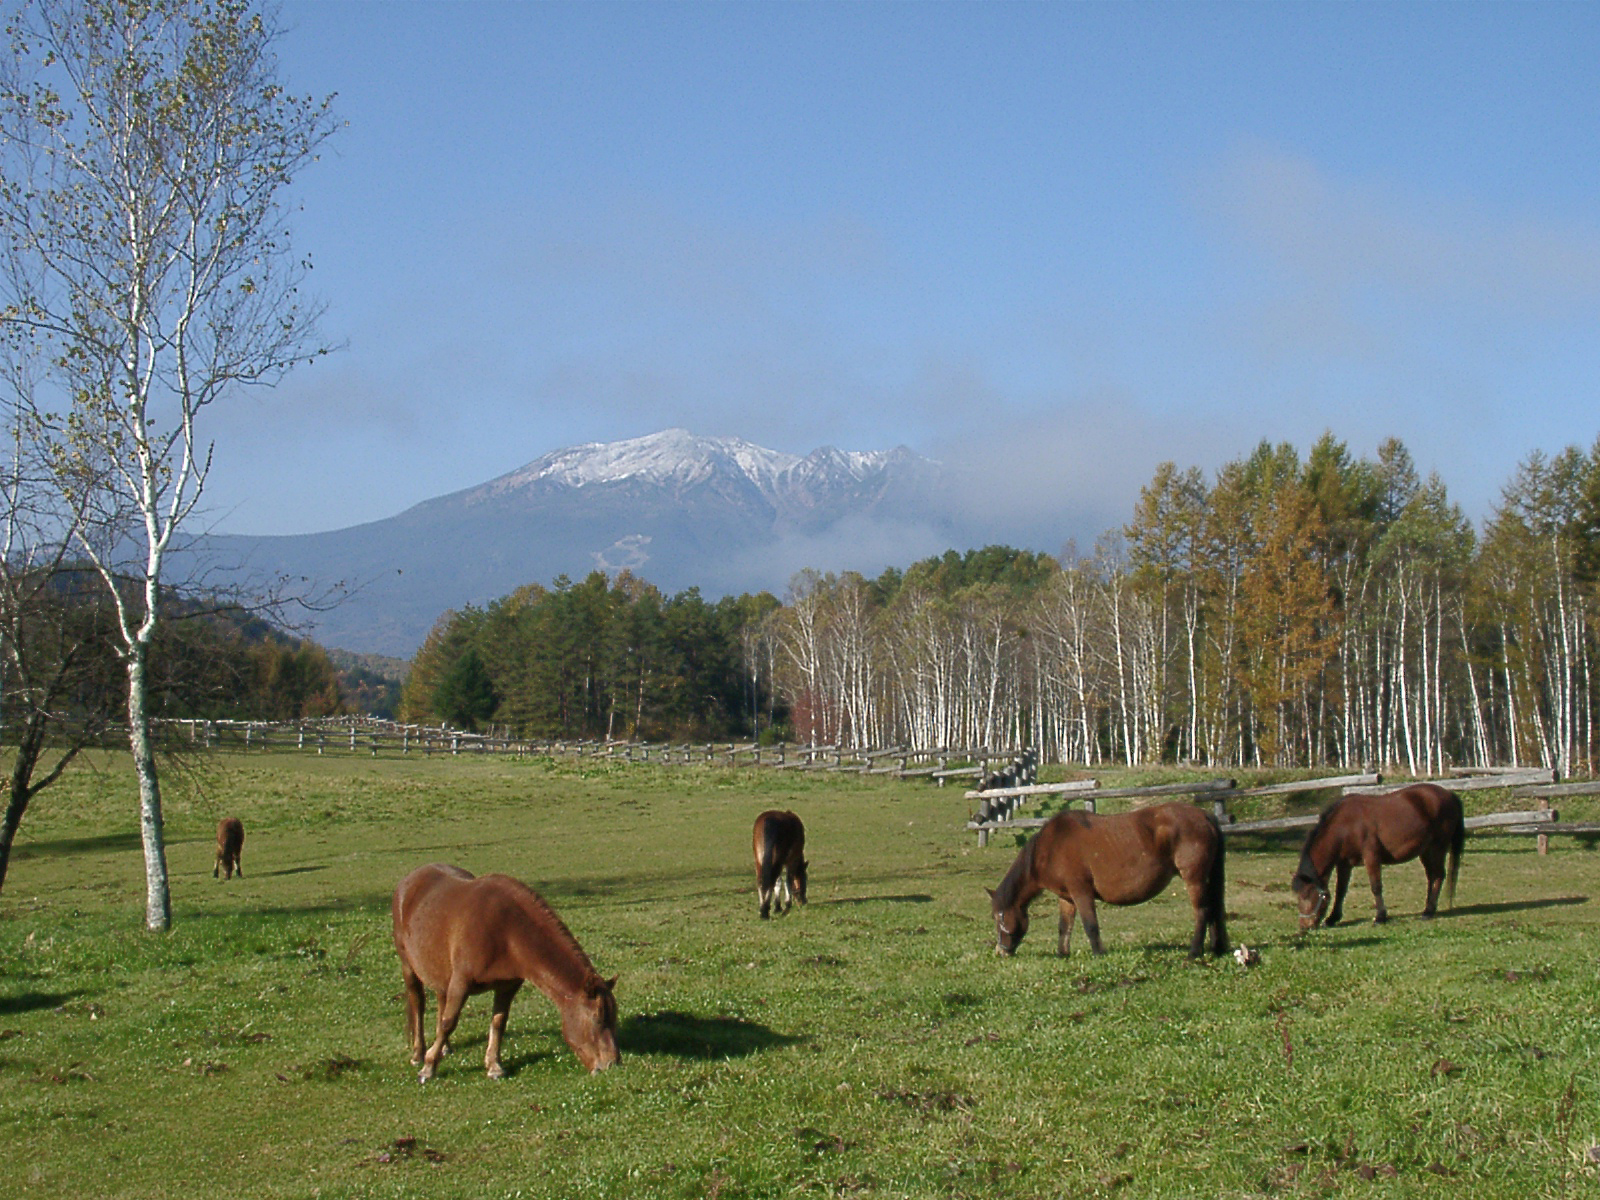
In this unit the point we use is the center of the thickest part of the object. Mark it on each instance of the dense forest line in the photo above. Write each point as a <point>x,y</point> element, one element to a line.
<point>1316,610</point>
<point>210,659</point>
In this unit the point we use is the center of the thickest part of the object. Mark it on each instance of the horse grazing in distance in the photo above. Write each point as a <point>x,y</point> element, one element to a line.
<point>458,935</point>
<point>1421,821</point>
<point>230,841</point>
<point>779,841</point>
<point>1121,858</point>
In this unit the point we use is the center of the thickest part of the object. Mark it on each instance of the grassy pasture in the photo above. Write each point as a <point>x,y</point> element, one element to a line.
<point>869,1045</point>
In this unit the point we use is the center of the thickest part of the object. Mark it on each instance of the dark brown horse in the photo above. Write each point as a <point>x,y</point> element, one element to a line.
<point>1422,821</point>
<point>1124,858</point>
<point>230,841</point>
<point>779,841</point>
<point>459,935</point>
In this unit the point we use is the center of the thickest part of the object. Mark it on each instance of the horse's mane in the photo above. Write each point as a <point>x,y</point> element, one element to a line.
<point>1006,894</point>
<point>544,915</point>
<point>1306,872</point>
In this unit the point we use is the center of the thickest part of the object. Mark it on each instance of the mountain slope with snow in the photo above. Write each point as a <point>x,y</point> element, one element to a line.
<point>681,511</point>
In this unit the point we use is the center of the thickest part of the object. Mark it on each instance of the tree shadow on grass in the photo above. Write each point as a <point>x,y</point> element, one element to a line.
<point>905,898</point>
<point>62,847</point>
<point>684,1035</point>
<point>290,871</point>
<point>33,1001</point>
<point>375,903</point>
<point>1506,906</point>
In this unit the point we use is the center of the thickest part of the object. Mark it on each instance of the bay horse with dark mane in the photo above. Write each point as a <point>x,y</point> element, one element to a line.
<point>230,844</point>
<point>1421,821</point>
<point>1121,858</point>
<point>458,935</point>
<point>779,842</point>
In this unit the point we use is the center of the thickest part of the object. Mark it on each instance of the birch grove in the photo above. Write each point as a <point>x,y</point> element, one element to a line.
<point>1328,610</point>
<point>1331,612</point>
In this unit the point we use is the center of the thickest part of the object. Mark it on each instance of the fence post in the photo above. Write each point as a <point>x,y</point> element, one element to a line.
<point>1544,838</point>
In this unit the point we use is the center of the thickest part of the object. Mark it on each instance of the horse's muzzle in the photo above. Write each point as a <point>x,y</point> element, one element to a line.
<point>1310,921</point>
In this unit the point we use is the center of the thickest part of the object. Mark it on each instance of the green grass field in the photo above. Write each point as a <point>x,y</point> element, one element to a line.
<point>871,1044</point>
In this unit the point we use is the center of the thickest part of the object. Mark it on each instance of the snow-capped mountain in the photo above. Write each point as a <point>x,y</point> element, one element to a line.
<point>673,458</point>
<point>681,511</point>
<point>678,462</point>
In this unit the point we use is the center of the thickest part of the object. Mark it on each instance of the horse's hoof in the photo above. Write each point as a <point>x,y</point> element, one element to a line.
<point>495,1072</point>
<point>424,1075</point>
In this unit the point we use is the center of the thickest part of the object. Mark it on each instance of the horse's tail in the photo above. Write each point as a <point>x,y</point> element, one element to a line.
<point>1458,843</point>
<point>1216,890</point>
<point>770,865</point>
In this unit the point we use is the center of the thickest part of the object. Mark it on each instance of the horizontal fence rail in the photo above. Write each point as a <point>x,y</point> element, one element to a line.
<point>996,806</point>
<point>374,737</point>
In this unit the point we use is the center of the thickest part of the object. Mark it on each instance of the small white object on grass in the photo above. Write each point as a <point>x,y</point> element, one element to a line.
<point>1246,957</point>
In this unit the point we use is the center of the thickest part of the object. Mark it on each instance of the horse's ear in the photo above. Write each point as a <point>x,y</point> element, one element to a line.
<point>611,984</point>
<point>990,890</point>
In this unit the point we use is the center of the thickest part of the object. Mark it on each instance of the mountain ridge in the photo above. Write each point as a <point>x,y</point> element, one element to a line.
<point>681,510</point>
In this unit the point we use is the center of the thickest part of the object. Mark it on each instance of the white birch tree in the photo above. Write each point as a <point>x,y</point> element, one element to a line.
<point>147,146</point>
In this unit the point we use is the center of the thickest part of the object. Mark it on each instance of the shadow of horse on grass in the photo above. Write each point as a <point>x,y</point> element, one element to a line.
<point>34,1001</point>
<point>1506,906</point>
<point>684,1035</point>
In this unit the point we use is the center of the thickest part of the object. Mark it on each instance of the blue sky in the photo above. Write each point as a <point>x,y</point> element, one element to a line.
<point>1058,244</point>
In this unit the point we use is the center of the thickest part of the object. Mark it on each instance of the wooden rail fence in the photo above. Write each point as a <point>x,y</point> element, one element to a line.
<point>994,806</point>
<point>371,736</point>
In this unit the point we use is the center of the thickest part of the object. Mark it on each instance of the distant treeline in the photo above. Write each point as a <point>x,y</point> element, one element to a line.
<point>211,659</point>
<point>1324,610</point>
<point>597,658</point>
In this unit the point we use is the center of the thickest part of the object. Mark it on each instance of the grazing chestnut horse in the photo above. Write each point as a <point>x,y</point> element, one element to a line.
<point>460,935</point>
<point>780,848</point>
<point>1422,821</point>
<point>230,841</point>
<point>1121,858</point>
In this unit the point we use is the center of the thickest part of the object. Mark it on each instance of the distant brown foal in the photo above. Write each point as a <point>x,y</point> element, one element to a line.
<point>779,842</point>
<point>458,935</point>
<point>1421,821</point>
<point>230,842</point>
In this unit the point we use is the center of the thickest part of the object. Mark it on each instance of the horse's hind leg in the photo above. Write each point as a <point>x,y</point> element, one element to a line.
<point>780,888</point>
<point>1433,864</point>
<point>1091,923</point>
<point>1375,877</point>
<point>416,1006</point>
<point>497,1026</point>
<point>451,999</point>
<point>1069,911</point>
<point>1202,916</point>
